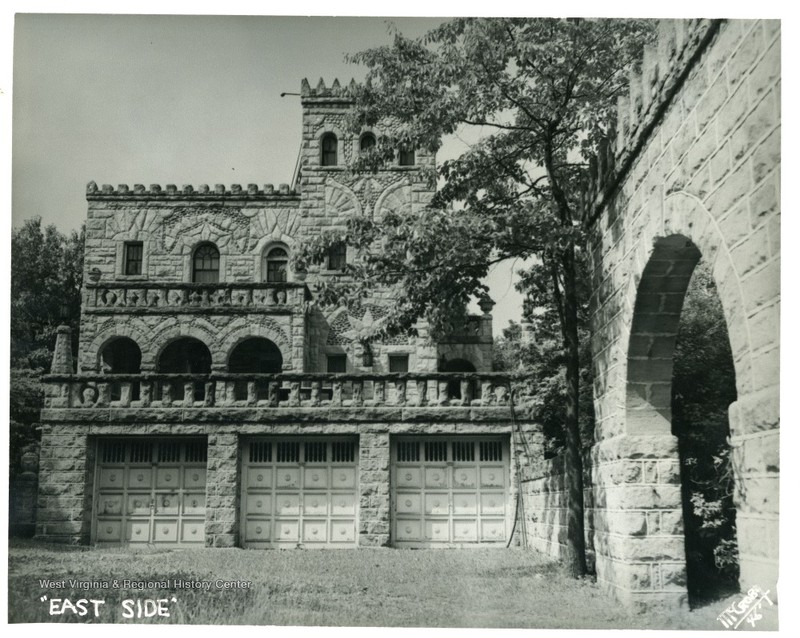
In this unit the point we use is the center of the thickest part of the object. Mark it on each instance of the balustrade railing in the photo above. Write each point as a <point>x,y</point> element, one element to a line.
<point>285,390</point>
<point>160,298</point>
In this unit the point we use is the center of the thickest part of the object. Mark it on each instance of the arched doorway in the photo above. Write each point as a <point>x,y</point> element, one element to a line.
<point>254,355</point>
<point>671,390</point>
<point>186,355</point>
<point>121,355</point>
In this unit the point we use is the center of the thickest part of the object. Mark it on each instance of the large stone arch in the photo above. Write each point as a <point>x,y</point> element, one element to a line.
<point>675,241</point>
<point>697,176</point>
<point>638,520</point>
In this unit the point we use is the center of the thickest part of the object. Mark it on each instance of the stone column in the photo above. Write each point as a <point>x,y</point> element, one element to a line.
<point>754,422</point>
<point>638,524</point>
<point>62,354</point>
<point>65,485</point>
<point>222,491</point>
<point>374,487</point>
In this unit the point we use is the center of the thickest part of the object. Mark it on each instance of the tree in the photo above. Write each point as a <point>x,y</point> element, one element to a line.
<point>543,358</point>
<point>46,275</point>
<point>539,92</point>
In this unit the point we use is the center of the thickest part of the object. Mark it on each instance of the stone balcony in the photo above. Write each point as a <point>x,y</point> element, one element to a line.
<point>220,397</point>
<point>142,297</point>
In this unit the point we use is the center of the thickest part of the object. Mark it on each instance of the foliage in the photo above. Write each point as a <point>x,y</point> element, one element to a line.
<point>46,275</point>
<point>539,92</point>
<point>46,278</point>
<point>704,385</point>
<point>543,355</point>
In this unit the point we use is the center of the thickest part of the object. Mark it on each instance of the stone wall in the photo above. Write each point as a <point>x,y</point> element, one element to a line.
<point>222,490</point>
<point>695,175</point>
<point>545,507</point>
<point>65,484</point>
<point>374,519</point>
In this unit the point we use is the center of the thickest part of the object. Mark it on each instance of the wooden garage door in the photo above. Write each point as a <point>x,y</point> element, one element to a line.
<point>449,492</point>
<point>150,491</point>
<point>300,492</point>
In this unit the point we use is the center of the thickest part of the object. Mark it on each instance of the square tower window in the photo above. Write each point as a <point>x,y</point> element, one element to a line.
<point>398,363</point>
<point>337,256</point>
<point>337,363</point>
<point>134,253</point>
<point>329,150</point>
<point>407,157</point>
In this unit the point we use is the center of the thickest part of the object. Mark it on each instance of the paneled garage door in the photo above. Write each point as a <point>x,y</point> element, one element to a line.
<point>150,491</point>
<point>449,492</point>
<point>300,491</point>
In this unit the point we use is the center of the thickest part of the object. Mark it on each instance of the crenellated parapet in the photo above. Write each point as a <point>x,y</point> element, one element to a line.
<point>187,191</point>
<point>664,69</point>
<point>335,90</point>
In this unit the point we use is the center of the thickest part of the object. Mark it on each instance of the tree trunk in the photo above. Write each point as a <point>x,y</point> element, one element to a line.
<point>576,541</point>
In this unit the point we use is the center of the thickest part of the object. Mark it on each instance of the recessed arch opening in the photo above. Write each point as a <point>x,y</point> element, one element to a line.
<point>254,355</point>
<point>121,355</point>
<point>186,355</point>
<point>681,381</point>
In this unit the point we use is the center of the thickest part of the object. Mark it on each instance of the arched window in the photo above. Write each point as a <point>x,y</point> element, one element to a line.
<point>367,142</point>
<point>276,265</point>
<point>407,157</point>
<point>205,265</point>
<point>330,147</point>
<point>185,355</point>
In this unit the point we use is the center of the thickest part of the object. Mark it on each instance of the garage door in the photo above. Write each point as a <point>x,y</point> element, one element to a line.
<point>150,491</point>
<point>300,492</point>
<point>449,492</point>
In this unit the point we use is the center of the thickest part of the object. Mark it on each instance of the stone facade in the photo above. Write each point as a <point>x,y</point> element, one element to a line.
<point>545,506</point>
<point>154,307</point>
<point>694,174</point>
<point>127,425</point>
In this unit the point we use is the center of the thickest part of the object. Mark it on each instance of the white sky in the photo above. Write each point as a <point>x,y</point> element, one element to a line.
<point>193,99</point>
<point>176,99</point>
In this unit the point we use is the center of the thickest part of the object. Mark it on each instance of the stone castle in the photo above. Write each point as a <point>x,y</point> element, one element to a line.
<point>215,403</point>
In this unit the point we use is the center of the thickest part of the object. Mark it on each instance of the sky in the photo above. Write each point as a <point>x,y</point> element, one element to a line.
<point>182,99</point>
<point>125,99</point>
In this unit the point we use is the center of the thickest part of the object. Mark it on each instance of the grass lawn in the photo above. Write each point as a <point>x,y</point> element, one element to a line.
<point>367,587</point>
